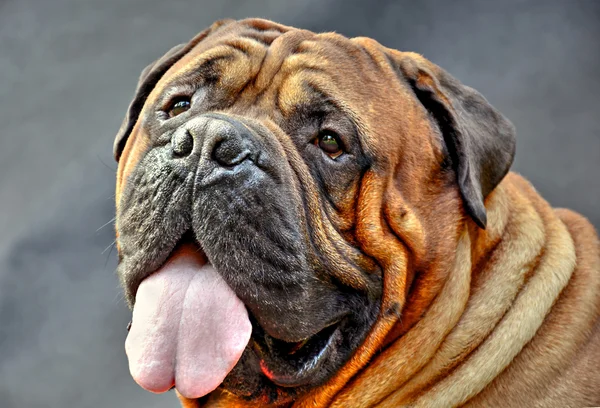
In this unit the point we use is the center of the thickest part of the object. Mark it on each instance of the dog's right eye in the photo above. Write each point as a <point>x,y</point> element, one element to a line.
<point>330,143</point>
<point>179,105</point>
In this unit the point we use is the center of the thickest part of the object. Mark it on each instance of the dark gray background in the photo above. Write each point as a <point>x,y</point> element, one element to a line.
<point>68,69</point>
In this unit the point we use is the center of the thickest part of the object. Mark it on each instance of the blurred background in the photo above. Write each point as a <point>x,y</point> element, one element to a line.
<point>68,69</point>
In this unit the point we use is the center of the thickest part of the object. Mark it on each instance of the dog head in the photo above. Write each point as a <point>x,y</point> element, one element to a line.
<point>322,177</point>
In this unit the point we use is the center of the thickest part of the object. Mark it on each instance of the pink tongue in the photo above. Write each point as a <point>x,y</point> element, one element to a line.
<point>189,328</point>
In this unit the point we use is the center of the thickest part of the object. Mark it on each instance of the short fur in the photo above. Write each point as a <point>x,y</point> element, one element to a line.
<point>471,290</point>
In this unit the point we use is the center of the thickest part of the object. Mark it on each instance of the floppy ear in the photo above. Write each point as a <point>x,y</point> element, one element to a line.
<point>479,139</point>
<point>149,78</point>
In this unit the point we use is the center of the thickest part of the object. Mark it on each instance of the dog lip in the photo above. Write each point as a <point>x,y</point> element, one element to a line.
<point>306,366</point>
<point>134,280</point>
<point>295,345</point>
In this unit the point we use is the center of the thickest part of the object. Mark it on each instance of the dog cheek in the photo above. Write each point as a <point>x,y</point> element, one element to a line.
<point>136,148</point>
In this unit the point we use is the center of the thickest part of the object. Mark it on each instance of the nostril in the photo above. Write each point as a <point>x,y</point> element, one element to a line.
<point>183,143</point>
<point>228,153</point>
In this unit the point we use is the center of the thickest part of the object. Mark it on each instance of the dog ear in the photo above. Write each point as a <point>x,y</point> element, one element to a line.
<point>148,80</point>
<point>479,139</point>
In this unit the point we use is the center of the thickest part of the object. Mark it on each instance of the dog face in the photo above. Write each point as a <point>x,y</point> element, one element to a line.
<point>303,167</point>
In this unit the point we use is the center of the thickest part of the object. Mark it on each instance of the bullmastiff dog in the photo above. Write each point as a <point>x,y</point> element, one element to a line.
<point>309,220</point>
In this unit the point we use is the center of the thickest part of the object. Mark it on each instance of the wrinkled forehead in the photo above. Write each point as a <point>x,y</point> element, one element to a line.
<point>291,65</point>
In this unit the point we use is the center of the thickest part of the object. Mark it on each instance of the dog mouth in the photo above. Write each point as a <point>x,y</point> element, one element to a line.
<point>189,330</point>
<point>294,364</point>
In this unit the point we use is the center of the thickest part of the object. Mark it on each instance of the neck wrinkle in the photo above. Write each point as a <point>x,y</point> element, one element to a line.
<point>414,348</point>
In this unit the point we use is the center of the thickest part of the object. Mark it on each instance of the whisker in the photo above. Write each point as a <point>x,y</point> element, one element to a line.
<point>109,253</point>
<point>105,165</point>
<point>109,221</point>
<point>109,247</point>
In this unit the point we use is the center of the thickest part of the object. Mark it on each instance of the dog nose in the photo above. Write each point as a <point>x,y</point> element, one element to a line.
<point>231,150</point>
<point>218,138</point>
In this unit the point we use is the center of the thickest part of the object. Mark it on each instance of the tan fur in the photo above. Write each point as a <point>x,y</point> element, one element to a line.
<point>508,316</point>
<point>473,347</point>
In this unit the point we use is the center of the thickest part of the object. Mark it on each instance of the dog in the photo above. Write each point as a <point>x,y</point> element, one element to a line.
<point>309,220</point>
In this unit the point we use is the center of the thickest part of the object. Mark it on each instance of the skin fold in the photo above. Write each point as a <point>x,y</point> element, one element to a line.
<point>436,277</point>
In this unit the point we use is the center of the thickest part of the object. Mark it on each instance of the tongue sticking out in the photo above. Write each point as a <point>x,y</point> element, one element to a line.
<point>189,328</point>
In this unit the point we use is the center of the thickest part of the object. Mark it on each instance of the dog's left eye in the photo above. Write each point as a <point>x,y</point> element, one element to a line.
<point>178,106</point>
<point>330,143</point>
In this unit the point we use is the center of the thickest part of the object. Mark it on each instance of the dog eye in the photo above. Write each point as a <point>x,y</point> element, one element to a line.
<point>330,143</point>
<point>178,106</point>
